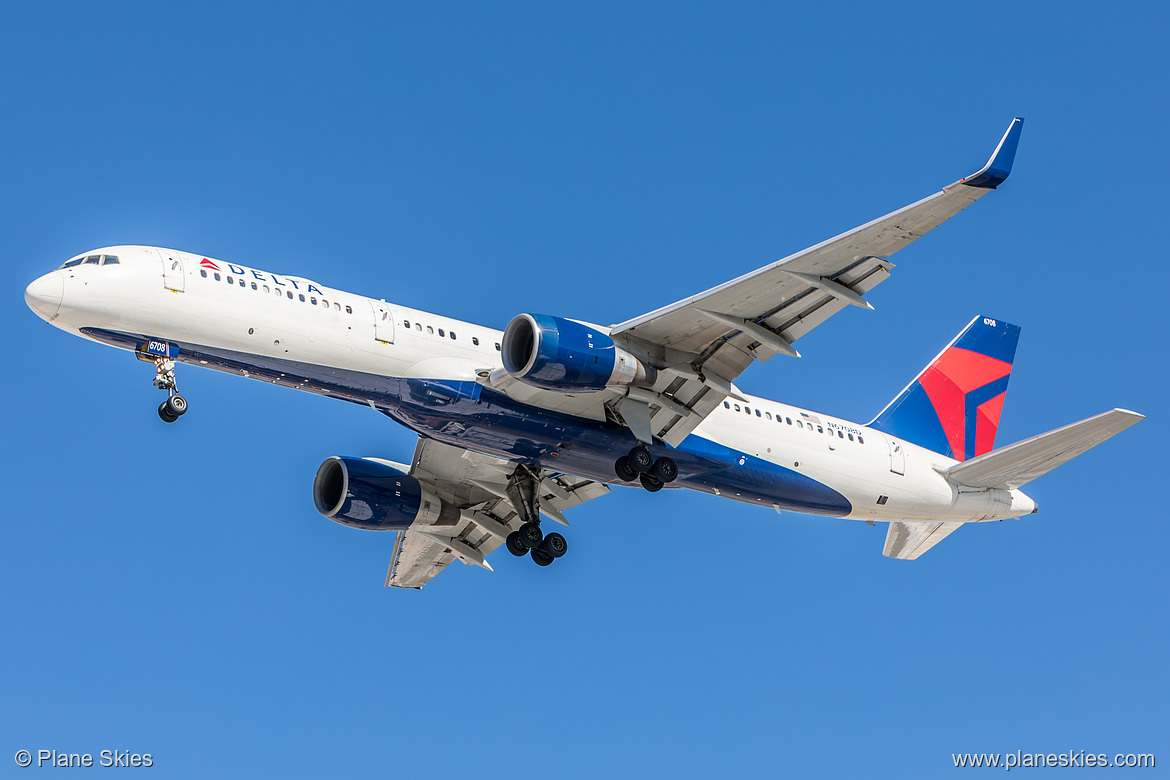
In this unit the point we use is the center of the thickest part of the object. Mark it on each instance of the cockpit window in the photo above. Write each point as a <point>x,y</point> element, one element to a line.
<point>91,260</point>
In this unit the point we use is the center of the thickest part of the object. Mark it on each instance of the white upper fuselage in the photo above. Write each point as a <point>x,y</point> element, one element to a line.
<point>183,298</point>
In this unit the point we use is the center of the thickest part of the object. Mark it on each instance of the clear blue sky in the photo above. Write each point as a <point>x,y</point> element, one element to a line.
<point>171,589</point>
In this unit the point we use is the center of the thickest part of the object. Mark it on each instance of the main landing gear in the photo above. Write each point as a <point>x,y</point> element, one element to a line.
<point>641,465</point>
<point>523,491</point>
<point>176,405</point>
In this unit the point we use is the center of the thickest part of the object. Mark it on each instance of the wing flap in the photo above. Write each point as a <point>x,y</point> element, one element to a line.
<point>1018,464</point>
<point>907,541</point>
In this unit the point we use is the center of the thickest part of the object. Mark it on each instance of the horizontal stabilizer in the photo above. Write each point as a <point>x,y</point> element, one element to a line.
<point>906,541</point>
<point>1018,464</point>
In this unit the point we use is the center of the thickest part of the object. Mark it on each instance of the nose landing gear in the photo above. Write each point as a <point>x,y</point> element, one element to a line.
<point>176,405</point>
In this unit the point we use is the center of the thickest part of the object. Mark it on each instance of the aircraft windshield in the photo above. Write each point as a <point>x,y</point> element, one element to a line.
<point>91,260</point>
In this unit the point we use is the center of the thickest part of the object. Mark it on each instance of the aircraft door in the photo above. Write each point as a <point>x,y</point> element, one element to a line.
<point>383,322</point>
<point>897,456</point>
<point>172,269</point>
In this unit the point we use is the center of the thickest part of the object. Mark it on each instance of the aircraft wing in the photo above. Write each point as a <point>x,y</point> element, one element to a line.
<point>907,541</point>
<point>705,341</point>
<point>476,483</point>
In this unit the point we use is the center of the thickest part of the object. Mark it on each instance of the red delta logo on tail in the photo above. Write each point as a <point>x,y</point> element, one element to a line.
<point>953,406</point>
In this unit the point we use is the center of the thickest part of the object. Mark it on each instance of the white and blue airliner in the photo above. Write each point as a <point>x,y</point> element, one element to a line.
<point>525,423</point>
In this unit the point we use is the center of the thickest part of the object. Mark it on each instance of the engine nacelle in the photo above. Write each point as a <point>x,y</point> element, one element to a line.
<point>371,495</point>
<point>554,353</point>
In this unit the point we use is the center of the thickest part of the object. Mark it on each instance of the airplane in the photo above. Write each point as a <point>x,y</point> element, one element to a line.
<point>523,424</point>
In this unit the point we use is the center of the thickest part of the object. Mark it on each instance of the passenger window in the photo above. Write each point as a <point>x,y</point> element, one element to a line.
<point>349,310</point>
<point>441,333</point>
<point>430,330</point>
<point>230,280</point>
<point>302,297</point>
<point>289,294</point>
<point>217,277</point>
<point>475,340</point>
<point>255,286</point>
<point>266,290</point>
<point>418,326</point>
<point>406,323</point>
<point>768,415</point>
<point>757,412</point>
<point>312,300</point>
<point>726,405</point>
<point>860,440</point>
<point>737,407</point>
<point>747,410</point>
<point>788,420</point>
<point>242,283</point>
<point>497,346</point>
<point>840,435</point>
<point>325,303</point>
<point>452,334</point>
<point>202,273</point>
<point>336,306</point>
<point>822,430</point>
<point>109,260</point>
<point>798,424</point>
<point>93,260</point>
<point>851,437</point>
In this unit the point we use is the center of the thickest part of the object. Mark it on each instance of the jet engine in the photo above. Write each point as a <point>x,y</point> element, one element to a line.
<point>554,353</point>
<point>367,494</point>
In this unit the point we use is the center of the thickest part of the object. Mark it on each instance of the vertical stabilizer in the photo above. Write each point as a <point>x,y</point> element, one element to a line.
<point>953,406</point>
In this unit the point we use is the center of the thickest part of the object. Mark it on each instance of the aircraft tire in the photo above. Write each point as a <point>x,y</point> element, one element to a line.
<point>165,414</point>
<point>640,459</point>
<point>515,546</point>
<point>177,404</point>
<point>665,470</point>
<point>624,470</point>
<point>554,545</point>
<point>651,482</point>
<point>530,535</point>
<point>541,557</point>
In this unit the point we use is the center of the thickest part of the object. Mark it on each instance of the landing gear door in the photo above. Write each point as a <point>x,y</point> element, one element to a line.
<point>897,456</point>
<point>172,269</point>
<point>383,322</point>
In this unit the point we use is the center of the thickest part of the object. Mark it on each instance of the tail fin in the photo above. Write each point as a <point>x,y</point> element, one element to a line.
<point>953,406</point>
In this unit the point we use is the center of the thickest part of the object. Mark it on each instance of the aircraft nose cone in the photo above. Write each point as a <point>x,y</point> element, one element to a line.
<point>44,295</point>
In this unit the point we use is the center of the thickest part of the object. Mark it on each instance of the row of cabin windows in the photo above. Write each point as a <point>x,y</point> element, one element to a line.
<point>799,423</point>
<point>91,260</point>
<point>312,299</point>
<point>419,326</point>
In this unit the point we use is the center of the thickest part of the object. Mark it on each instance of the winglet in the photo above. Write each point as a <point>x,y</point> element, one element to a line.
<point>999,166</point>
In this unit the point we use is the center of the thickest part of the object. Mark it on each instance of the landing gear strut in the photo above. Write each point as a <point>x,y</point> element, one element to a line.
<point>523,491</point>
<point>176,405</point>
<point>642,466</point>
